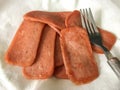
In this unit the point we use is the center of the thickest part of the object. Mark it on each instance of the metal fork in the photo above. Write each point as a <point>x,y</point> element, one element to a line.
<point>95,38</point>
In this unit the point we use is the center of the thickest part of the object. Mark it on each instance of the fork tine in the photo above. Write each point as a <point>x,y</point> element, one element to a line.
<point>89,22</point>
<point>96,39</point>
<point>92,21</point>
<point>85,22</point>
<point>90,29</point>
<point>82,18</point>
<point>85,19</point>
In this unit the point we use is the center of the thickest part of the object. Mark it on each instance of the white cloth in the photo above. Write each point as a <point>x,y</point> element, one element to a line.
<point>107,16</point>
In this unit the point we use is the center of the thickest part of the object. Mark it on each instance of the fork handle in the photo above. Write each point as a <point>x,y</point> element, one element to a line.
<point>114,63</point>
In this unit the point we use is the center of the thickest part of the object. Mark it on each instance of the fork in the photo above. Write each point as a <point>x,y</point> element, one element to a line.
<point>95,38</point>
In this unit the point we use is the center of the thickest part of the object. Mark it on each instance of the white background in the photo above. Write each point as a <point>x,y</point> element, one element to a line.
<point>107,16</point>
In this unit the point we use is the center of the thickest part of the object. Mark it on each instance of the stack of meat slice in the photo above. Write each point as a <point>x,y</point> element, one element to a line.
<point>54,43</point>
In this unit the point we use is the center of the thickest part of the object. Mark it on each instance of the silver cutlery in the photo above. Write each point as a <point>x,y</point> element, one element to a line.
<point>95,38</point>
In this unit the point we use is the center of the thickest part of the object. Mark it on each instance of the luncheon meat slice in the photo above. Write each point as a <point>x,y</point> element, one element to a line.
<point>77,54</point>
<point>73,19</point>
<point>61,20</point>
<point>58,53</point>
<point>60,72</point>
<point>54,19</point>
<point>109,40</point>
<point>23,48</point>
<point>43,66</point>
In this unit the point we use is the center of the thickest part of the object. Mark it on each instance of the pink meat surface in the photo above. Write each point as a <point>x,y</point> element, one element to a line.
<point>43,66</point>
